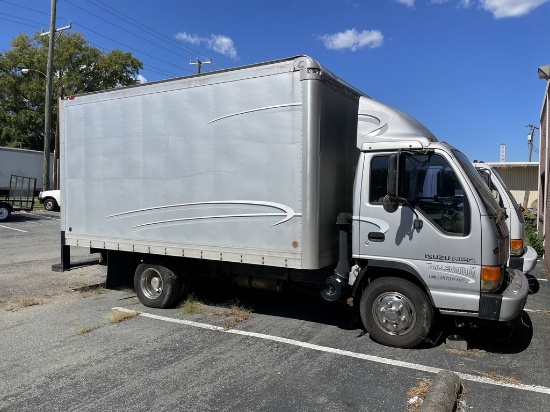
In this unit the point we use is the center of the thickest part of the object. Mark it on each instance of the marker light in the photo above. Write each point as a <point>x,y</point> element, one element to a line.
<point>490,278</point>
<point>516,247</point>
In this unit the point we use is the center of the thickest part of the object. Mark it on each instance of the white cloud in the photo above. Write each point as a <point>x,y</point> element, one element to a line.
<point>216,42</point>
<point>223,45</point>
<point>510,8</point>
<point>188,38</point>
<point>353,40</point>
<point>408,3</point>
<point>141,79</point>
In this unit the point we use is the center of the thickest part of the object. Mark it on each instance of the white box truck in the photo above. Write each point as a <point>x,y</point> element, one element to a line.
<point>279,174</point>
<point>522,257</point>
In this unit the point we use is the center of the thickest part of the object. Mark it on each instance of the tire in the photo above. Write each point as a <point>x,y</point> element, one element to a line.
<point>5,212</point>
<point>396,312</point>
<point>157,286</point>
<point>50,204</point>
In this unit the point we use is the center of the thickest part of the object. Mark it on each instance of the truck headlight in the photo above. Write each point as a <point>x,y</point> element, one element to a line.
<point>491,278</point>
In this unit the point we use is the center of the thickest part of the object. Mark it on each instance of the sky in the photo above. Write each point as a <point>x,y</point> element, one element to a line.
<point>466,69</point>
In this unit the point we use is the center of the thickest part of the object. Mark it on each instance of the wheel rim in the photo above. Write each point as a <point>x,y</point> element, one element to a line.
<point>151,284</point>
<point>394,313</point>
<point>49,205</point>
<point>3,213</point>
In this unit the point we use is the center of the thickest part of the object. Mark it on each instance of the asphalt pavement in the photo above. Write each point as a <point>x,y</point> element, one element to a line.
<point>62,351</point>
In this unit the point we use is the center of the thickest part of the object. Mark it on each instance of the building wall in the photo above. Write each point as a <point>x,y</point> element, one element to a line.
<point>520,178</point>
<point>544,195</point>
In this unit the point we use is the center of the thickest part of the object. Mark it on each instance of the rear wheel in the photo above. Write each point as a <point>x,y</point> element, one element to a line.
<point>157,286</point>
<point>5,211</point>
<point>396,312</point>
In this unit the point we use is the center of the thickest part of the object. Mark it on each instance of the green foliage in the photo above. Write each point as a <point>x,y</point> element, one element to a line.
<point>535,240</point>
<point>78,68</point>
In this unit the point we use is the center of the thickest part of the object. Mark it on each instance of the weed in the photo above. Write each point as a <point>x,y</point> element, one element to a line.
<point>500,378</point>
<point>191,306</point>
<point>476,352</point>
<point>235,314</point>
<point>22,303</point>
<point>118,316</point>
<point>86,329</point>
<point>92,290</point>
<point>535,240</point>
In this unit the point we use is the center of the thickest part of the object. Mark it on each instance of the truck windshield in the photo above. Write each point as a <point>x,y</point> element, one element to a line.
<point>515,205</point>
<point>491,206</point>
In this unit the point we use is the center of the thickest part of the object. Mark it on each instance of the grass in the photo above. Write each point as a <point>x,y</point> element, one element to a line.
<point>22,303</point>
<point>500,378</point>
<point>235,314</point>
<point>117,316</point>
<point>232,312</point>
<point>92,290</point>
<point>86,329</point>
<point>417,394</point>
<point>191,306</point>
<point>475,352</point>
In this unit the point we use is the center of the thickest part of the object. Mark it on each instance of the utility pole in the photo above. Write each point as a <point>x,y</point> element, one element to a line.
<point>530,138</point>
<point>199,64</point>
<point>48,102</point>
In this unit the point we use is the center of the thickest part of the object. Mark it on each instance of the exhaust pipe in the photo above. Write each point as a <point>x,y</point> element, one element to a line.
<point>335,284</point>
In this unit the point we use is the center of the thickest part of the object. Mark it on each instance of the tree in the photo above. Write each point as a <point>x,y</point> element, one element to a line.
<point>78,67</point>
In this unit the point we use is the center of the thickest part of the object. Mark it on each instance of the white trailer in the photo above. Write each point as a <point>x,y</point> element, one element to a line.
<point>280,174</point>
<point>21,162</point>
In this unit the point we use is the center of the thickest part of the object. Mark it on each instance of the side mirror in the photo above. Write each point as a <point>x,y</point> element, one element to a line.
<point>391,201</point>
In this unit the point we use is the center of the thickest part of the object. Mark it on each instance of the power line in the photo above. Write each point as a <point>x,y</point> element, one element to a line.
<point>128,20</point>
<point>130,47</point>
<point>151,31</point>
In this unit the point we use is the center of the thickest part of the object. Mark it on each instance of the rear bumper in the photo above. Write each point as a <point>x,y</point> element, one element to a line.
<point>508,304</point>
<point>526,262</point>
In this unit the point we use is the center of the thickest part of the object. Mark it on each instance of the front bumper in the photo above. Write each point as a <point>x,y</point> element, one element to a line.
<point>526,262</point>
<point>508,304</point>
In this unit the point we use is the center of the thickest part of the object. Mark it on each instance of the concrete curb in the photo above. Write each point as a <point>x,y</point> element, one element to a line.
<point>443,393</point>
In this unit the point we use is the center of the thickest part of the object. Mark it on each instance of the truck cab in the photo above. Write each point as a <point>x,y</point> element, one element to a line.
<point>522,257</point>
<point>426,233</point>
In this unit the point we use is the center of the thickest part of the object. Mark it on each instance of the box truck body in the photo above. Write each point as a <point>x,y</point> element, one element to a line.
<point>278,174</point>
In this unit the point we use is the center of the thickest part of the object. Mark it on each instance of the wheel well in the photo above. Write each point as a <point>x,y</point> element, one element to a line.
<point>371,273</point>
<point>7,205</point>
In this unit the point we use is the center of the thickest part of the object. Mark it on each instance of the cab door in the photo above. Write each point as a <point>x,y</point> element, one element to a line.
<point>433,234</point>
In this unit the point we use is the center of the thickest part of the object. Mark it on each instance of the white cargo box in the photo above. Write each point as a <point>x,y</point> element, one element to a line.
<point>250,165</point>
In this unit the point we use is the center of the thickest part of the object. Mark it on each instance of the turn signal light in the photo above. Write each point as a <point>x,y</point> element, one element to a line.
<point>516,247</point>
<point>490,277</point>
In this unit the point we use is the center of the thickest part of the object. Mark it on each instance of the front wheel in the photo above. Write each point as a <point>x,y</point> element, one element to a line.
<point>156,285</point>
<point>396,312</point>
<point>5,212</point>
<point>50,204</point>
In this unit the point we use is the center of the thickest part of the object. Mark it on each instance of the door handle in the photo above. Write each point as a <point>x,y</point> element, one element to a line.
<point>376,236</point>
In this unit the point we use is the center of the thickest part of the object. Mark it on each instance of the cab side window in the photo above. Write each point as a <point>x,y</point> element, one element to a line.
<point>429,184</point>
<point>378,179</point>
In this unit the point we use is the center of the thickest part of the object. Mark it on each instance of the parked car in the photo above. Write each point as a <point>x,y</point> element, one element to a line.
<point>51,199</point>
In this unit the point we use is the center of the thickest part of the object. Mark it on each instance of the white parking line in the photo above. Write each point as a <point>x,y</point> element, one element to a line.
<point>543,312</point>
<point>371,358</point>
<point>12,228</point>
